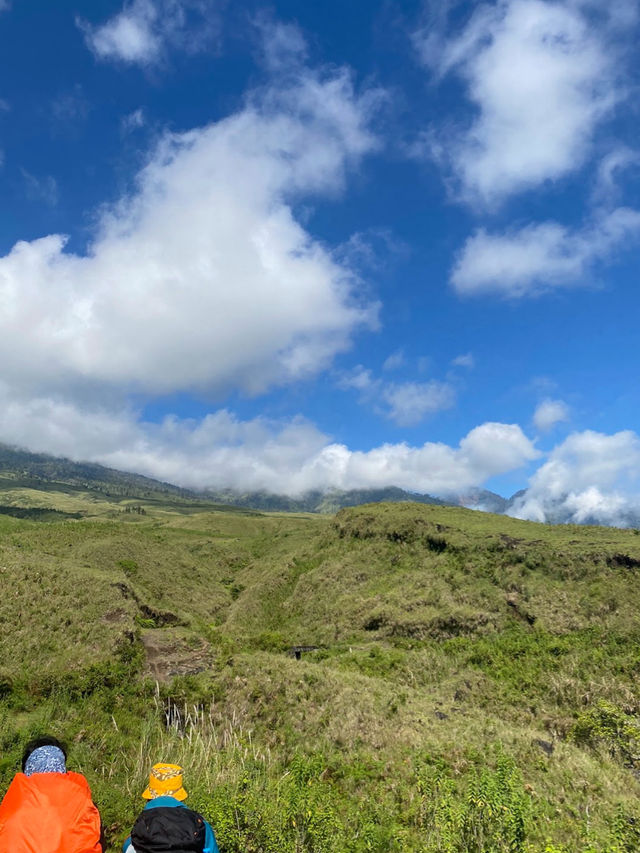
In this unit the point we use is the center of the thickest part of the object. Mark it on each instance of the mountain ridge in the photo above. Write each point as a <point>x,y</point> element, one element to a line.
<point>42,471</point>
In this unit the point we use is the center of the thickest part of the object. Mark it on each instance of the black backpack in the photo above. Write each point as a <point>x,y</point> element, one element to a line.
<point>168,828</point>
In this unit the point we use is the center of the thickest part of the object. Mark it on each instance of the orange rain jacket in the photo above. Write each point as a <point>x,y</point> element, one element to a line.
<point>49,813</point>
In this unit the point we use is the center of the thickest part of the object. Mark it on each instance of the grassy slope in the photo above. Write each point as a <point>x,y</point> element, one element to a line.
<point>450,644</point>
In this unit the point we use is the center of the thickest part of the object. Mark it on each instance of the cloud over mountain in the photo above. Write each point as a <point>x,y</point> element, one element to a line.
<point>283,456</point>
<point>589,477</point>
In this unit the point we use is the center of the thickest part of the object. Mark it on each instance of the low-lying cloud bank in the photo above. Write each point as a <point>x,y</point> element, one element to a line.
<point>590,477</point>
<point>286,457</point>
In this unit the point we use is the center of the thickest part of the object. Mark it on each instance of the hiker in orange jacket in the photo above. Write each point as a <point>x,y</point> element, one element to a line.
<point>48,809</point>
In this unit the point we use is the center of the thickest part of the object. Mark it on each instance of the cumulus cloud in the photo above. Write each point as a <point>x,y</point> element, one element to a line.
<point>590,477</point>
<point>201,278</point>
<point>549,413</point>
<point>541,77</point>
<point>407,403</point>
<point>539,257</point>
<point>220,451</point>
<point>143,30</point>
<point>358,379</point>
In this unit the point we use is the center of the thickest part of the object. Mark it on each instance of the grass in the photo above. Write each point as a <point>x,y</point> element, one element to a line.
<point>474,685</point>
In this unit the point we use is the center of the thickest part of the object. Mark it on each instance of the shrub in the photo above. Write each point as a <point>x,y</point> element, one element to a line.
<point>606,726</point>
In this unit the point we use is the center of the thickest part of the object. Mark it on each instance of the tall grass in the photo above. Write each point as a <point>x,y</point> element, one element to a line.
<point>451,645</point>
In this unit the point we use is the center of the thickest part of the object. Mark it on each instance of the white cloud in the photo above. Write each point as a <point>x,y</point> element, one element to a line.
<point>610,172</point>
<point>143,30</point>
<point>129,36</point>
<point>590,477</point>
<point>358,379</point>
<point>202,278</point>
<point>542,77</point>
<point>289,457</point>
<point>549,413</point>
<point>407,403</point>
<point>283,45</point>
<point>542,256</point>
<point>133,121</point>
<point>466,360</point>
<point>395,361</point>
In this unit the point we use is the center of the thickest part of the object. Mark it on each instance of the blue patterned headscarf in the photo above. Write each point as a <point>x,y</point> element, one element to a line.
<point>45,759</point>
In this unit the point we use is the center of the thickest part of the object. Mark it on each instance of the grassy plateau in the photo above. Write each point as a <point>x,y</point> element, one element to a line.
<point>465,682</point>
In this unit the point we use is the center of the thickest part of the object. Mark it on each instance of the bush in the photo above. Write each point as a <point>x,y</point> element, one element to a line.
<point>607,726</point>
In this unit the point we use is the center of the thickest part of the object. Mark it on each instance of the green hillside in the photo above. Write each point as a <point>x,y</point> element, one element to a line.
<point>466,682</point>
<point>39,470</point>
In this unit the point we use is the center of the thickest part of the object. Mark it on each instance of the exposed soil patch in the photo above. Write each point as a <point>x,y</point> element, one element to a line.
<point>510,541</point>
<point>441,628</point>
<point>545,745</point>
<point>375,623</point>
<point>117,615</point>
<point>168,655</point>
<point>158,617</point>
<point>623,561</point>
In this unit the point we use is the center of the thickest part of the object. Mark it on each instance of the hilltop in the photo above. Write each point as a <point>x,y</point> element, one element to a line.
<point>466,682</point>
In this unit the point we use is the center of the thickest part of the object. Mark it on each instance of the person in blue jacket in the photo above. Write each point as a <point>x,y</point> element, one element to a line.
<point>165,790</point>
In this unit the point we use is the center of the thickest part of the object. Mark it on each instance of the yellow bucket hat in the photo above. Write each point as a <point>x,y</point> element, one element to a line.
<point>165,780</point>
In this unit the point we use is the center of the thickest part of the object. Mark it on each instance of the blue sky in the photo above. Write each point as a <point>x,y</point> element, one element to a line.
<point>295,246</point>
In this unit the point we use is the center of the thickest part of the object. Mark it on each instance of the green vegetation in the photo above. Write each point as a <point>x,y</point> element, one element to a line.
<point>469,684</point>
